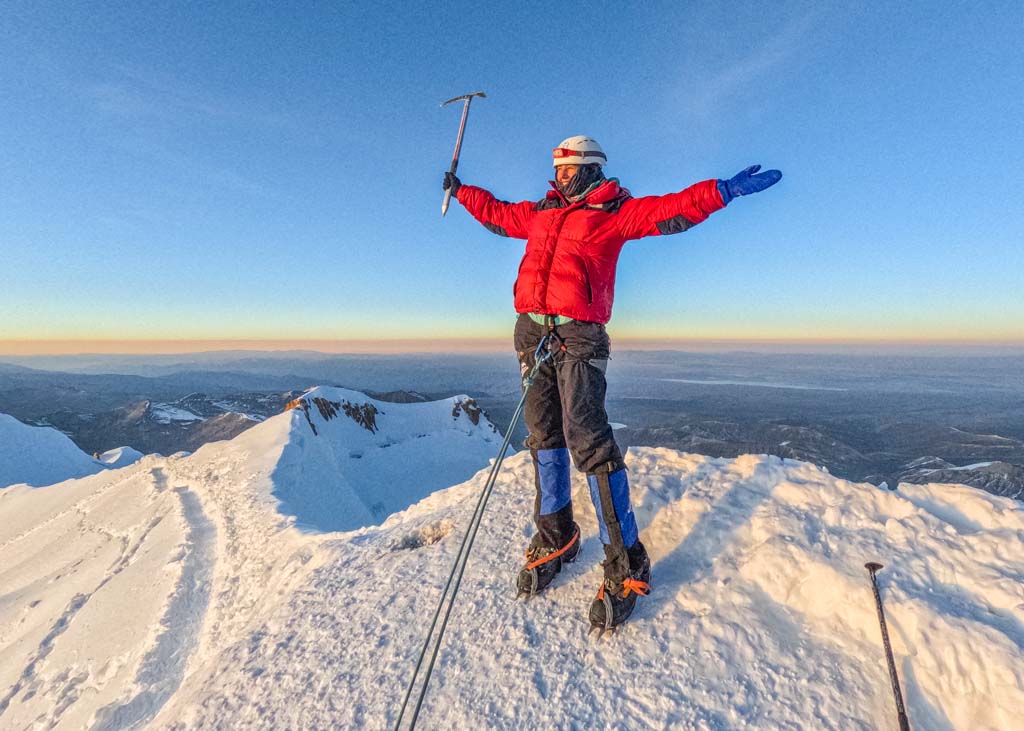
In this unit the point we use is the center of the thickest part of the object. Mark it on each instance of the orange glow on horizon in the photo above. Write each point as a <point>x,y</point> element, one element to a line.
<point>469,345</point>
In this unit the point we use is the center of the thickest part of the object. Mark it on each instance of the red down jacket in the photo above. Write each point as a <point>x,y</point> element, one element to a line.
<point>572,249</point>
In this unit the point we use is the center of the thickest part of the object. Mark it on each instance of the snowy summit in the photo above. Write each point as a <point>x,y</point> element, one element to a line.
<point>191,593</point>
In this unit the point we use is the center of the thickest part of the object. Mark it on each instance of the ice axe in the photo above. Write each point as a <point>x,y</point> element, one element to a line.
<point>458,142</point>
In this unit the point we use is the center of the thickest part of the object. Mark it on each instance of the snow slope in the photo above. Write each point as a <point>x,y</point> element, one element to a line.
<point>120,457</point>
<point>173,594</point>
<point>357,460</point>
<point>38,455</point>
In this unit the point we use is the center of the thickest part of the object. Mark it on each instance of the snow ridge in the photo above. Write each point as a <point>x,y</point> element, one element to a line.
<point>761,614</point>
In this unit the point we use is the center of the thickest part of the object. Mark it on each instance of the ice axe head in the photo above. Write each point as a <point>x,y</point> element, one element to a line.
<point>467,97</point>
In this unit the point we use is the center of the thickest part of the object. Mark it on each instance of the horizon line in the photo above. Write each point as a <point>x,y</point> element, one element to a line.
<point>394,346</point>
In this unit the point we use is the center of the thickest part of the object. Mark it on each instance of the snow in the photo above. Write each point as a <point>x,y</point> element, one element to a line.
<point>37,455</point>
<point>945,466</point>
<point>988,436</point>
<point>761,614</point>
<point>345,476</point>
<point>165,414</point>
<point>120,457</point>
<point>232,408</point>
<point>975,466</point>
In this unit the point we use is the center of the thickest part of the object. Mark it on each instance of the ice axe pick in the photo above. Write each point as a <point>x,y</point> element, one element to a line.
<point>458,142</point>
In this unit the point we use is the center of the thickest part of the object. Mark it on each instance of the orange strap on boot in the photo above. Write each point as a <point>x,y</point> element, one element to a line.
<point>629,585</point>
<point>635,585</point>
<point>556,554</point>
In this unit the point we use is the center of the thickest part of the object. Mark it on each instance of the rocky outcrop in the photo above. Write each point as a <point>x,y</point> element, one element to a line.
<point>364,414</point>
<point>470,407</point>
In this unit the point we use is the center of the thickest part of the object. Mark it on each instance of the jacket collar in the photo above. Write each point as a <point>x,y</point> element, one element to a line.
<point>609,190</point>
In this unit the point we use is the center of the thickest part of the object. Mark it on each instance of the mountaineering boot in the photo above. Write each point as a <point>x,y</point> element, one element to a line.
<point>617,597</point>
<point>543,562</point>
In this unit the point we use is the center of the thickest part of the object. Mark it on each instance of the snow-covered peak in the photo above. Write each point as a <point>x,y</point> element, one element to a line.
<point>409,419</point>
<point>39,456</point>
<point>341,460</point>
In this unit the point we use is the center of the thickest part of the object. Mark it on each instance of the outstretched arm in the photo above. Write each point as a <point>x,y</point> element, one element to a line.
<point>500,217</point>
<point>676,212</point>
<point>657,215</point>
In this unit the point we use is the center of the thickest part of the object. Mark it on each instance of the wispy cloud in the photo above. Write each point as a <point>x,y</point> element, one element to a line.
<point>134,94</point>
<point>704,96</point>
<point>169,121</point>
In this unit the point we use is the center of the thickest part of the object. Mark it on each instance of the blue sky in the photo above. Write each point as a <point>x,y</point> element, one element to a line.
<point>264,171</point>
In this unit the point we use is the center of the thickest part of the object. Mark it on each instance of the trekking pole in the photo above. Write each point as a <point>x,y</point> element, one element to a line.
<point>462,558</point>
<point>458,142</point>
<point>900,710</point>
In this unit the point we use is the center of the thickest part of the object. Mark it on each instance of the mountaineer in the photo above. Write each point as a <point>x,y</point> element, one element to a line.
<point>564,290</point>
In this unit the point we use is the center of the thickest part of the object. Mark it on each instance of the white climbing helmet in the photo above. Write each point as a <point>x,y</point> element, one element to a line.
<point>579,150</point>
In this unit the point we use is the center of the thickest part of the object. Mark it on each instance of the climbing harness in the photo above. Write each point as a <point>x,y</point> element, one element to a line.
<point>543,353</point>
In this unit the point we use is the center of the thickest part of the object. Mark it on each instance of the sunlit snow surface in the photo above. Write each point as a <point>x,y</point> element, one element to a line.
<point>120,457</point>
<point>40,455</point>
<point>761,614</point>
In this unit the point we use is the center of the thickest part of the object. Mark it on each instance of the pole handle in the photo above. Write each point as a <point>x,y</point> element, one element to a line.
<point>446,201</point>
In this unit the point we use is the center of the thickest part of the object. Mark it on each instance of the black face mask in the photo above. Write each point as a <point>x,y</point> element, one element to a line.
<point>586,176</point>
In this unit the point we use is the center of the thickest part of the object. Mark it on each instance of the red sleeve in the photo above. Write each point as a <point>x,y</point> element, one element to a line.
<point>669,214</point>
<point>504,219</point>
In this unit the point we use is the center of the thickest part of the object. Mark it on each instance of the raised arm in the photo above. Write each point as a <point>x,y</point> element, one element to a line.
<point>676,212</point>
<point>500,217</point>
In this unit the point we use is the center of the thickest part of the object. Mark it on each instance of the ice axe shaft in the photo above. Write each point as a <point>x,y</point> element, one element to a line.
<point>458,141</point>
<point>901,711</point>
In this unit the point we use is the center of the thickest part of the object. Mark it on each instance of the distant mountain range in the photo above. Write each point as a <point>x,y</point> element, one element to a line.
<point>962,420</point>
<point>150,413</point>
<point>998,478</point>
<point>986,461</point>
<point>166,427</point>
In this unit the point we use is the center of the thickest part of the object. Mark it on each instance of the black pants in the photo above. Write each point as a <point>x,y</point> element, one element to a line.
<point>565,405</point>
<point>565,412</point>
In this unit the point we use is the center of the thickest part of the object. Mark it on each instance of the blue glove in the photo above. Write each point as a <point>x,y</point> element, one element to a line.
<point>746,182</point>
